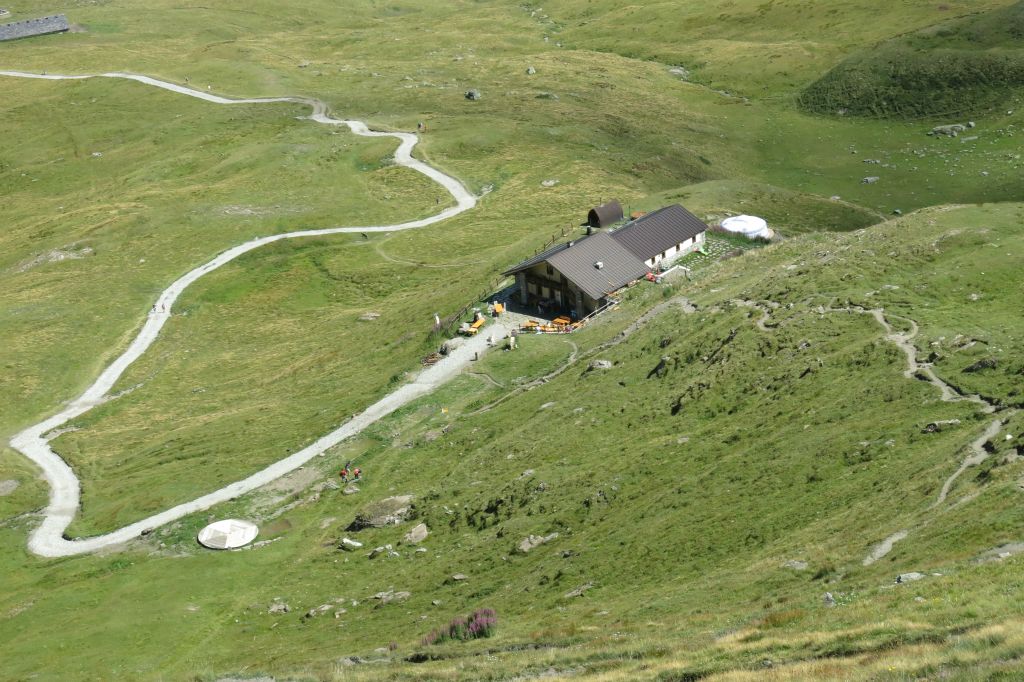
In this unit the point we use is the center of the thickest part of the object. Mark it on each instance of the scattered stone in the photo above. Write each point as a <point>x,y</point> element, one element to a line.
<point>97,155</point>
<point>546,405</point>
<point>530,71</point>
<point>935,427</point>
<point>908,577</point>
<point>9,486</point>
<point>796,565</point>
<point>375,552</point>
<point>951,130</point>
<point>919,600</point>
<point>473,95</point>
<point>870,180</point>
<point>986,363</point>
<point>350,545</point>
<point>534,541</point>
<point>417,535</point>
<point>683,74</point>
<point>279,607</point>
<point>829,600</point>
<point>318,611</point>
<point>548,183</point>
<point>897,211</point>
<point>546,95</point>
<point>459,577</point>
<point>421,550</point>
<point>369,317</point>
<point>350,489</point>
<point>526,474</point>
<point>56,256</point>
<point>579,591</point>
<point>436,602</point>
<point>391,596</point>
<point>390,511</point>
<point>600,364</point>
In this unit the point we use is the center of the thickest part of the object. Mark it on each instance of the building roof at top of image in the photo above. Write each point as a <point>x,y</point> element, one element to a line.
<point>606,261</point>
<point>658,231</point>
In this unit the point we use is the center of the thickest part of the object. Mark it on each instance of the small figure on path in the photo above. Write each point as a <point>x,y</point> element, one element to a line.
<point>357,475</point>
<point>364,235</point>
<point>344,475</point>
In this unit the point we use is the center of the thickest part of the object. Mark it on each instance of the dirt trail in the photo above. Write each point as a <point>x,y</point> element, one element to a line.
<point>915,370</point>
<point>977,456</point>
<point>884,547</point>
<point>48,539</point>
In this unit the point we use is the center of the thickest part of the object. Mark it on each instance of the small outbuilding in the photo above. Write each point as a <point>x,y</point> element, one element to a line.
<point>605,214</point>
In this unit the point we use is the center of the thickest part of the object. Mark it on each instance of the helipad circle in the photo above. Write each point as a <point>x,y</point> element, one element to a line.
<point>228,534</point>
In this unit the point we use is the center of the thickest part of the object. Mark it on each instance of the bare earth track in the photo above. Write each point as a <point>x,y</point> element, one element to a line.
<point>915,370</point>
<point>48,539</point>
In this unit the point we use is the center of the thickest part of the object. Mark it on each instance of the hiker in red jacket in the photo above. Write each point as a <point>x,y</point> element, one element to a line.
<point>344,475</point>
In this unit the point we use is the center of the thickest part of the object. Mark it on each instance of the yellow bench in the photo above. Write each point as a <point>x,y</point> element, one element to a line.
<point>475,327</point>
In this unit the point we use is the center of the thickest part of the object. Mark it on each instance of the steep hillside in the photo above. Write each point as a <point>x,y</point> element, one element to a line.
<point>763,50</point>
<point>965,67</point>
<point>729,491</point>
<point>703,505</point>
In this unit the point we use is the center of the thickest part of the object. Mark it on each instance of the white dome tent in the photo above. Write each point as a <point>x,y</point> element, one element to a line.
<point>228,534</point>
<point>749,226</point>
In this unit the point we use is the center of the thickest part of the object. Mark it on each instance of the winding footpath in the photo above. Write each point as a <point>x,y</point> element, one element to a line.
<point>915,370</point>
<point>48,539</point>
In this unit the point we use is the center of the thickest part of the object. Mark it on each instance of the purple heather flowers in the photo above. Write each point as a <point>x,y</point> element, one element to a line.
<point>482,623</point>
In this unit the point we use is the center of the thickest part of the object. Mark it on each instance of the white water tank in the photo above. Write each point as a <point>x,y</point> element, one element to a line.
<point>747,225</point>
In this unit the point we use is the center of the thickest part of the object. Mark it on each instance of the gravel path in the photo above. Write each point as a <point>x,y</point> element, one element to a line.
<point>48,539</point>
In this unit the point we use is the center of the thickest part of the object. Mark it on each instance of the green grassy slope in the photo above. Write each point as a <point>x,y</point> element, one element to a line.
<point>751,47</point>
<point>963,67</point>
<point>801,442</point>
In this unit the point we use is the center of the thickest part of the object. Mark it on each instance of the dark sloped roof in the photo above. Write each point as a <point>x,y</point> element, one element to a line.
<point>605,214</point>
<point>658,231</point>
<point>539,258</point>
<point>619,266</point>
